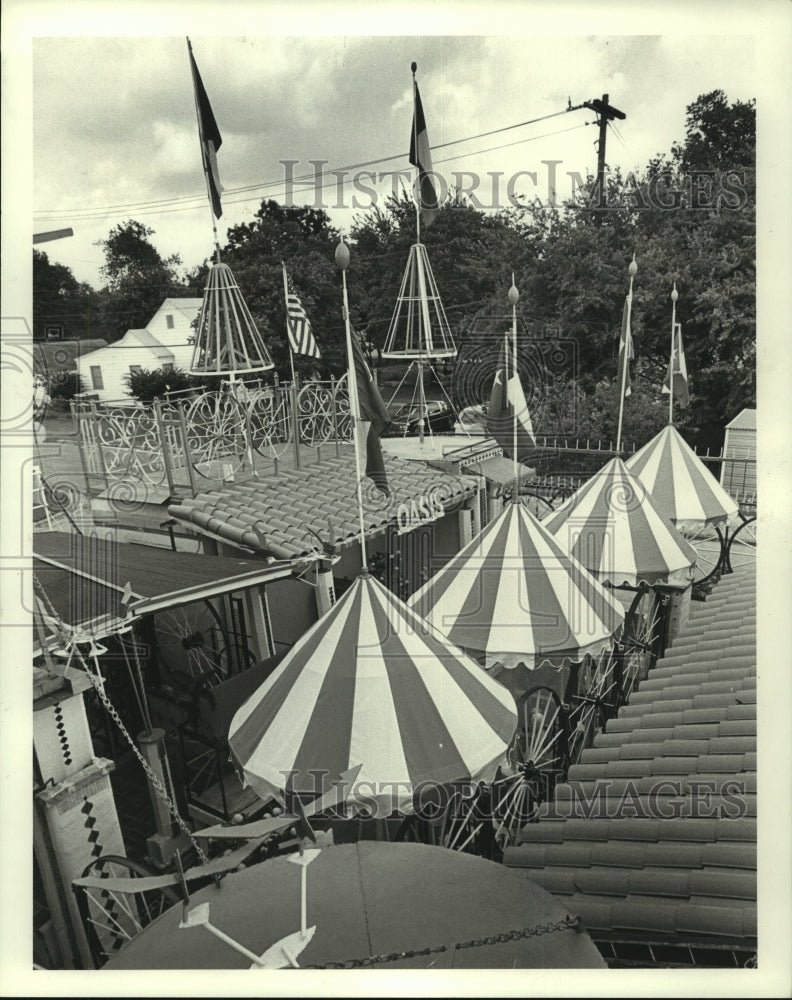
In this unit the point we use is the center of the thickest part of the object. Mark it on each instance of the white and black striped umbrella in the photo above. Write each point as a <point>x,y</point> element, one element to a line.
<point>612,525</point>
<point>514,595</point>
<point>372,684</point>
<point>679,482</point>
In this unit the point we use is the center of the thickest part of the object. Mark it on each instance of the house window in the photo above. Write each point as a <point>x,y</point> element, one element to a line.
<point>97,382</point>
<point>167,367</point>
<point>135,369</point>
<point>169,321</point>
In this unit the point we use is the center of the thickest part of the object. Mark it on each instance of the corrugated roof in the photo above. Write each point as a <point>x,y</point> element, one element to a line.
<point>653,835</point>
<point>745,420</point>
<point>277,514</point>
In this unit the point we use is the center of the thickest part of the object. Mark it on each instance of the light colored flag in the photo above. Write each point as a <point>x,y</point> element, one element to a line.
<point>507,404</point>
<point>301,338</point>
<point>677,368</point>
<point>626,352</point>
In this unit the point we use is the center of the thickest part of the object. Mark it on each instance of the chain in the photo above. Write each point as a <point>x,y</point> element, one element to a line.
<point>152,777</point>
<point>569,923</point>
<point>98,684</point>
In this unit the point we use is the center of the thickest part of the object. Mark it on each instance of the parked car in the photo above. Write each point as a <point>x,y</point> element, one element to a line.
<point>405,420</point>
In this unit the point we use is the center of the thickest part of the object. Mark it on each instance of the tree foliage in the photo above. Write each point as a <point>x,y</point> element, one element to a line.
<point>138,279</point>
<point>62,301</point>
<point>148,384</point>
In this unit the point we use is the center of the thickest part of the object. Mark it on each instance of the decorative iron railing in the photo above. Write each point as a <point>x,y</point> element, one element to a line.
<point>187,438</point>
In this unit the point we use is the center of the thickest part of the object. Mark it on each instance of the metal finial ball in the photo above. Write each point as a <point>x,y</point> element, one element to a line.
<point>414,66</point>
<point>514,295</point>
<point>342,256</point>
<point>674,294</point>
<point>633,268</point>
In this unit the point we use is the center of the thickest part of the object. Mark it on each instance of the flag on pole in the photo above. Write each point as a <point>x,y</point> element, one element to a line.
<point>625,350</point>
<point>372,417</point>
<point>421,157</point>
<point>301,338</point>
<point>211,140</point>
<point>507,403</point>
<point>677,369</point>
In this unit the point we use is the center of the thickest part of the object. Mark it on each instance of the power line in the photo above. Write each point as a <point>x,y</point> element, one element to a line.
<point>43,214</point>
<point>308,181</point>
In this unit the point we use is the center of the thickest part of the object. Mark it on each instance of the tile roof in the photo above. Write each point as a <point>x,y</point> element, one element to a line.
<point>276,514</point>
<point>653,835</point>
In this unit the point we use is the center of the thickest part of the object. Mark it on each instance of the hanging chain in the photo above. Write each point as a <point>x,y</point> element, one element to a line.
<point>98,684</point>
<point>569,923</point>
<point>152,777</point>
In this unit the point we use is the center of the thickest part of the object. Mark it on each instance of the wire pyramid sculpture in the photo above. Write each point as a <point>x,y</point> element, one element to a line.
<point>419,328</point>
<point>227,341</point>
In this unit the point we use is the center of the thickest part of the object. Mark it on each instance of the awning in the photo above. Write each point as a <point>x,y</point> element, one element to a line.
<point>500,470</point>
<point>85,578</point>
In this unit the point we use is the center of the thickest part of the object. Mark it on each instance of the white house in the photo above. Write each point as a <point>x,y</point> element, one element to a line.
<point>165,343</point>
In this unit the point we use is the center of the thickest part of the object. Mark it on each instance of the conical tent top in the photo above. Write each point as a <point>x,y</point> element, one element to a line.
<point>227,341</point>
<point>419,328</point>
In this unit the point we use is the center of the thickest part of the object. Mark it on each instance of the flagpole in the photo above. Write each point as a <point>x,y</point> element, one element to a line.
<point>514,296</point>
<point>202,142</point>
<point>288,327</point>
<point>632,271</point>
<point>342,263</point>
<point>674,297</point>
<point>293,390</point>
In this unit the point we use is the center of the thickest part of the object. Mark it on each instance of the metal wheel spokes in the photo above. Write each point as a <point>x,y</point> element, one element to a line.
<point>593,705</point>
<point>639,642</point>
<point>216,434</point>
<point>460,826</point>
<point>269,421</point>
<point>113,918</point>
<point>190,640</point>
<point>742,541</point>
<point>536,759</point>
<point>708,542</point>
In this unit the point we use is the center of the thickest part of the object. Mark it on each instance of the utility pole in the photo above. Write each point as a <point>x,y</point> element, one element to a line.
<point>606,113</point>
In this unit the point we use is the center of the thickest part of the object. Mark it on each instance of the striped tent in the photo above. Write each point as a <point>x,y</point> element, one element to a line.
<point>612,525</point>
<point>372,684</point>
<point>679,483</point>
<point>514,596</point>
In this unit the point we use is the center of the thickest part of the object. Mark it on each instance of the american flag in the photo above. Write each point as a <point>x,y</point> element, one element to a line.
<point>301,339</point>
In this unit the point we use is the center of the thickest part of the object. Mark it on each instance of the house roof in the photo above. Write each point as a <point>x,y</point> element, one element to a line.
<point>744,421</point>
<point>668,852</point>
<point>276,514</point>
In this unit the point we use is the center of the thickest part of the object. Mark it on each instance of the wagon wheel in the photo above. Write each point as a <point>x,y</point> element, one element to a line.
<point>460,825</point>
<point>592,705</point>
<point>742,541</point>
<point>710,546</point>
<point>113,918</point>
<point>190,640</point>
<point>638,645</point>
<point>216,434</point>
<point>269,421</point>
<point>536,760</point>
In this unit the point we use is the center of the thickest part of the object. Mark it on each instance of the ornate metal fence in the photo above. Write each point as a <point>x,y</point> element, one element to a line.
<point>187,438</point>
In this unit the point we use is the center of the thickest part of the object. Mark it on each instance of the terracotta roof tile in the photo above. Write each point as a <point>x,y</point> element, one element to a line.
<point>691,725</point>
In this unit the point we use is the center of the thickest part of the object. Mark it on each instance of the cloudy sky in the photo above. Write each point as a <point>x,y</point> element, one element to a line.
<point>114,131</point>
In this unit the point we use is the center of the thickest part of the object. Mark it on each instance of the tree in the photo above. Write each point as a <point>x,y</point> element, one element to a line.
<point>147,384</point>
<point>304,240</point>
<point>138,279</point>
<point>59,300</point>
